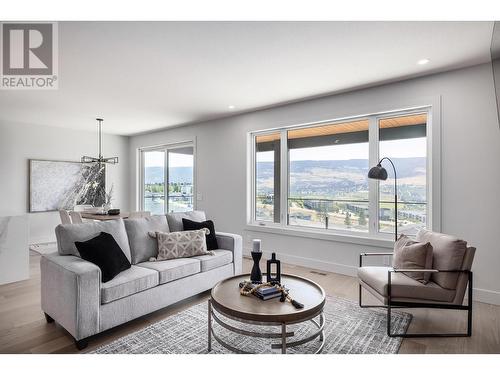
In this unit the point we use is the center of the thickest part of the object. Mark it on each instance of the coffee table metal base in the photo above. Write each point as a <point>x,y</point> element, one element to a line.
<point>282,336</point>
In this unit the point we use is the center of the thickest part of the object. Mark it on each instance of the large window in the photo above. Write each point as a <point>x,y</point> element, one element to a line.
<point>315,176</point>
<point>168,179</point>
<point>404,140</point>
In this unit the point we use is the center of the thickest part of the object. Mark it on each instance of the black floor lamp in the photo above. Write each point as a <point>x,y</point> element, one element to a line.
<point>379,173</point>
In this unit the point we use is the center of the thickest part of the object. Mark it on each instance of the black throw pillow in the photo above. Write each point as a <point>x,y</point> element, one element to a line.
<point>105,253</point>
<point>209,224</point>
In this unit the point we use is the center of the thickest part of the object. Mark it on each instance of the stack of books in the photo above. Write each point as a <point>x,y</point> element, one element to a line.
<point>264,293</point>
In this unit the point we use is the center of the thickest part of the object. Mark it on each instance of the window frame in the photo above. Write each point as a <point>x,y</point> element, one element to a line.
<point>165,148</point>
<point>432,181</point>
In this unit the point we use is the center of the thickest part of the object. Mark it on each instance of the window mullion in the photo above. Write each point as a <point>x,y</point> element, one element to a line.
<point>283,178</point>
<point>373,205</point>
<point>165,182</point>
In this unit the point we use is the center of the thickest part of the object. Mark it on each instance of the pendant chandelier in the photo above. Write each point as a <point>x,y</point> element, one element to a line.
<point>100,159</point>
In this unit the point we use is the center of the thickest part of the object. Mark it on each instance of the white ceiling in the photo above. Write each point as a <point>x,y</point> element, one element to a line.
<point>142,76</point>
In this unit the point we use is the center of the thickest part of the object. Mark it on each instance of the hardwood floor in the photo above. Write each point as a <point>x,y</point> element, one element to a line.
<point>23,328</point>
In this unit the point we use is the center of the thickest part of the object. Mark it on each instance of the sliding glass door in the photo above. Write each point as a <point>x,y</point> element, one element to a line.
<point>168,179</point>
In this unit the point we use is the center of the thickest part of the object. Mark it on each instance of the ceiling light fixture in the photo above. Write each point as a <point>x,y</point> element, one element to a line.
<point>423,61</point>
<point>100,159</point>
<point>231,107</point>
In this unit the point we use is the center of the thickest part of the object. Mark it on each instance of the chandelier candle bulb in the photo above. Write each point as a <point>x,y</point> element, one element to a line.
<point>256,246</point>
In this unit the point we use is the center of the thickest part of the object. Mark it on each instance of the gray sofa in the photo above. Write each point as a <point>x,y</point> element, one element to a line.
<point>73,295</point>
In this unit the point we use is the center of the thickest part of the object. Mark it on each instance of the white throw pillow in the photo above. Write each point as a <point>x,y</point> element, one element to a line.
<point>183,244</point>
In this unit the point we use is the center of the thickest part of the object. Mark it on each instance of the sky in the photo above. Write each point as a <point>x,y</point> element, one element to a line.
<point>402,148</point>
<point>157,159</point>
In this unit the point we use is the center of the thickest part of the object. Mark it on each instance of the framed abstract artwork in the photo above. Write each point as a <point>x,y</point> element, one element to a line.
<point>56,185</point>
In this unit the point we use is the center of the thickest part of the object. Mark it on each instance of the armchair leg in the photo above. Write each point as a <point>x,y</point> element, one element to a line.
<point>361,301</point>
<point>48,318</point>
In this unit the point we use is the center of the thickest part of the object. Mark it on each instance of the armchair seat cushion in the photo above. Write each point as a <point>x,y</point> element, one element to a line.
<point>402,286</point>
<point>131,281</point>
<point>209,262</point>
<point>173,269</point>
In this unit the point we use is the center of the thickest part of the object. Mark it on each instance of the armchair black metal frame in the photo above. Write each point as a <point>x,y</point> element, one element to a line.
<point>400,304</point>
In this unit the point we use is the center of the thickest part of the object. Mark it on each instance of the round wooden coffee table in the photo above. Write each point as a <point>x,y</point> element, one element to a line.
<point>226,300</point>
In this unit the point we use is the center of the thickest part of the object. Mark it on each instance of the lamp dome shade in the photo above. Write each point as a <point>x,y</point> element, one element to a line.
<point>378,173</point>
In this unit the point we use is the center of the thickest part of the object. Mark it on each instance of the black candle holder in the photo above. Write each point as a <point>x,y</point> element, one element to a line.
<point>256,275</point>
<point>273,277</point>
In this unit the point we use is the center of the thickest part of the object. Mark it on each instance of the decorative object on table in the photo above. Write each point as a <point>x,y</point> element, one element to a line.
<point>256,274</point>
<point>248,287</point>
<point>256,245</point>
<point>114,211</point>
<point>269,272</point>
<point>261,290</point>
<point>209,224</point>
<point>100,159</point>
<point>380,173</point>
<point>56,185</point>
<point>108,199</point>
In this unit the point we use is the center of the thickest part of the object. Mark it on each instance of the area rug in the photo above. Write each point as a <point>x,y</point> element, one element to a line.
<point>44,248</point>
<point>348,330</point>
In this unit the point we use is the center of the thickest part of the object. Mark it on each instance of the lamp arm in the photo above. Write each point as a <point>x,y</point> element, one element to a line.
<point>395,196</point>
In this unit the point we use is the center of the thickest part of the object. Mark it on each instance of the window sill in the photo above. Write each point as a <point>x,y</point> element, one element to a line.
<point>321,235</point>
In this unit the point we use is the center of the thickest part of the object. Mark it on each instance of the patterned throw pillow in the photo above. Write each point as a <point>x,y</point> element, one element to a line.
<point>181,244</point>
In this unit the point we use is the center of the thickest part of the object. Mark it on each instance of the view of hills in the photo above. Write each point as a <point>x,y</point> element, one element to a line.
<point>154,175</point>
<point>331,178</point>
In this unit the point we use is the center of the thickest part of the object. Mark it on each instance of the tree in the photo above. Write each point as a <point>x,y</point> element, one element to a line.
<point>347,220</point>
<point>362,218</point>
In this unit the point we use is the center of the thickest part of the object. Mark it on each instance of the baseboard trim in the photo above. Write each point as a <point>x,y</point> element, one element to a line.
<point>491,297</point>
<point>487,296</point>
<point>320,265</point>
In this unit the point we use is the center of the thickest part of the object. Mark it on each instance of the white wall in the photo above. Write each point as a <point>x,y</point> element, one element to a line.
<point>470,175</point>
<point>21,142</point>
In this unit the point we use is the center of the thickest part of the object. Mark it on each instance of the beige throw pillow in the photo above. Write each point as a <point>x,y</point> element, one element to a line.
<point>413,255</point>
<point>181,244</point>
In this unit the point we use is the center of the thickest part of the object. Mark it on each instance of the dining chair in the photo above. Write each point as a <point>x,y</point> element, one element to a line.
<point>65,218</point>
<point>76,217</point>
<point>139,214</point>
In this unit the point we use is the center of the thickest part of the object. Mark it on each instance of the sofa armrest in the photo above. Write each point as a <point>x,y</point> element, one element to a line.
<point>70,292</point>
<point>233,242</point>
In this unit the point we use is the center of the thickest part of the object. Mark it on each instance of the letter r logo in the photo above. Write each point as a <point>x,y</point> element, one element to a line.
<point>27,49</point>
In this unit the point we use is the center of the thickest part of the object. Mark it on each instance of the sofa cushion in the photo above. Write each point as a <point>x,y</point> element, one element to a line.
<point>403,286</point>
<point>413,255</point>
<point>209,224</point>
<point>105,253</point>
<point>183,244</point>
<point>142,246</point>
<point>134,280</point>
<point>173,269</point>
<point>448,254</point>
<point>68,234</point>
<point>175,219</point>
<point>219,259</point>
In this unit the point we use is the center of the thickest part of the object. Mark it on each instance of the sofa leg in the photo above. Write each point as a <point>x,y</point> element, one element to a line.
<point>48,318</point>
<point>81,344</point>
